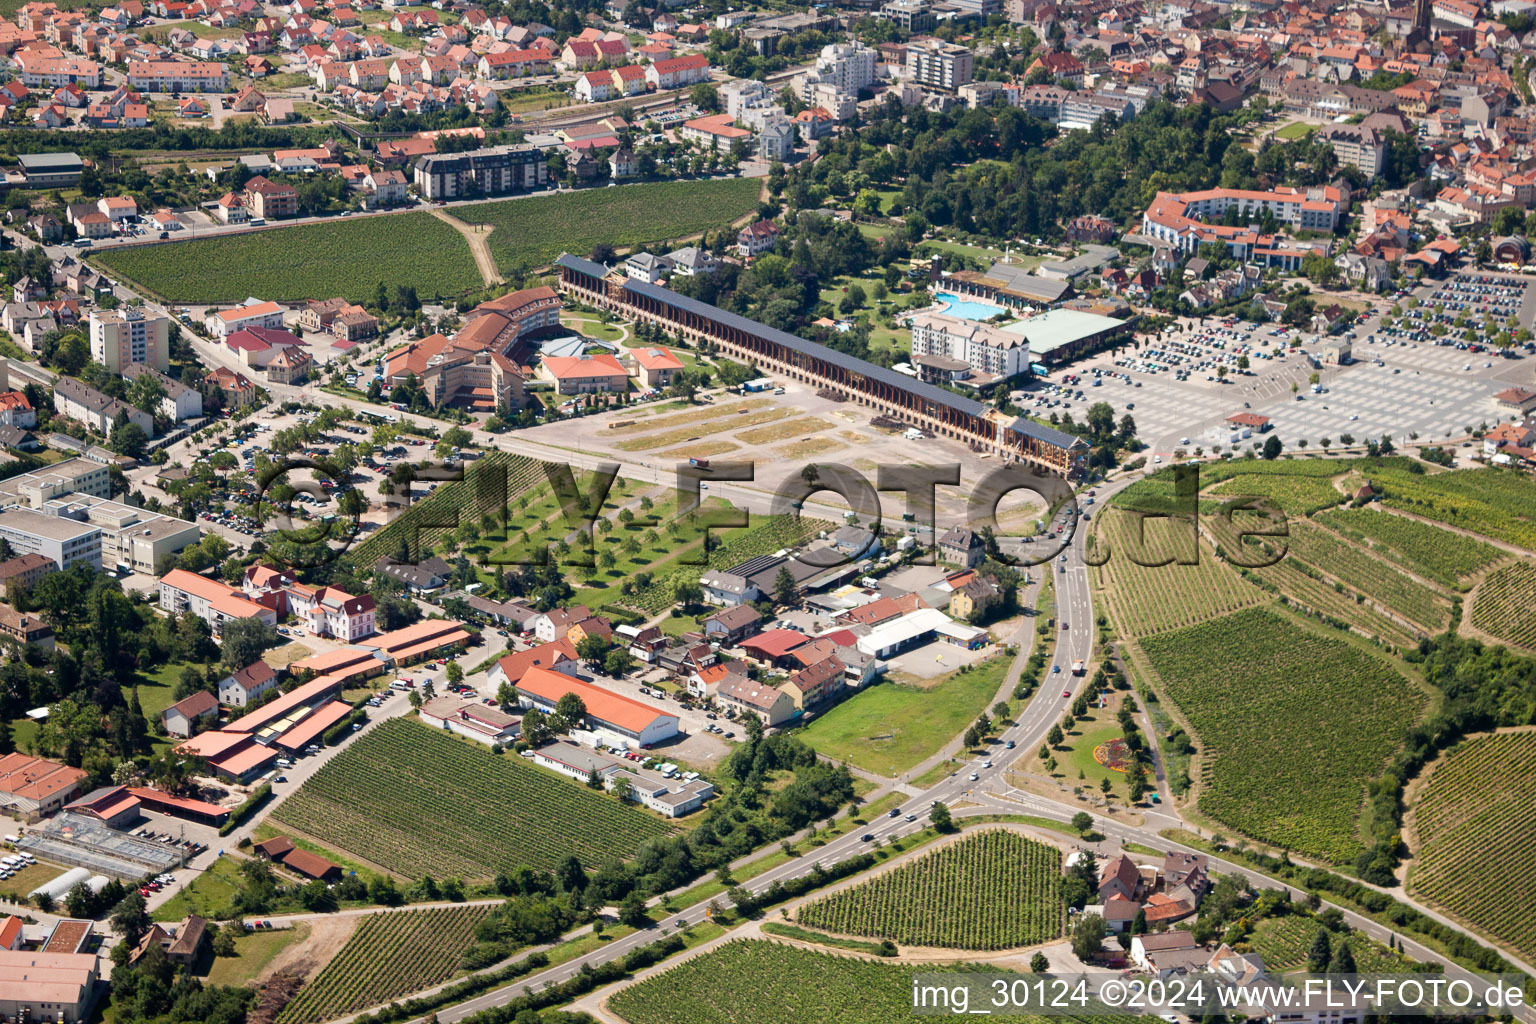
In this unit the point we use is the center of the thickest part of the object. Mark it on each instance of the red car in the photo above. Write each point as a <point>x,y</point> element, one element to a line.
<point>1066,693</point>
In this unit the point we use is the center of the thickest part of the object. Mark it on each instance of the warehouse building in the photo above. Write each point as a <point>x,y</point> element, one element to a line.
<point>615,719</point>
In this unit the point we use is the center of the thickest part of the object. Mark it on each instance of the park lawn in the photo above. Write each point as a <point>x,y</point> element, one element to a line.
<point>535,98</point>
<point>1293,131</point>
<point>209,895</point>
<point>1075,763</point>
<point>591,327</point>
<point>890,727</point>
<point>29,878</point>
<point>975,252</point>
<point>253,951</point>
<point>875,231</point>
<point>157,689</point>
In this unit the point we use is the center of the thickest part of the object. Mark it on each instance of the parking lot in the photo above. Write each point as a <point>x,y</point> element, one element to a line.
<point>1419,375</point>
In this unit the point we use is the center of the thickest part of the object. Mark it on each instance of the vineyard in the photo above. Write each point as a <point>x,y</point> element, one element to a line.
<point>1473,823</point>
<point>312,261</point>
<point>392,954</point>
<point>995,890</point>
<point>1147,599</point>
<point>531,232</point>
<point>418,801</point>
<point>1496,503</point>
<point>426,522</point>
<point>1424,550</point>
<point>1294,722</point>
<point>759,982</point>
<point>1503,606</point>
<point>1284,942</point>
<point>1370,576</point>
<point>1293,495</point>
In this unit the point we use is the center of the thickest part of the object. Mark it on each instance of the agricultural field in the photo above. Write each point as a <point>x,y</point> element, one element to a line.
<point>1293,722</point>
<point>1496,503</point>
<point>992,890</point>
<point>788,985</point>
<point>392,954</point>
<point>1450,559</point>
<point>1293,495</point>
<point>532,232</point>
<point>1372,576</point>
<point>1284,942</point>
<point>311,261</point>
<point>1143,599</point>
<point>1471,824</point>
<point>1503,607</point>
<point>891,727</point>
<point>418,801</point>
<point>1307,587</point>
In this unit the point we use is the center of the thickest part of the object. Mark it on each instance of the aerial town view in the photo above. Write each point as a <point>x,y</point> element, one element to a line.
<point>746,512</point>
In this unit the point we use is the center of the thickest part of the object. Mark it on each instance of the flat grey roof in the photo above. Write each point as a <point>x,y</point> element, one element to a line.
<point>50,161</point>
<point>24,520</point>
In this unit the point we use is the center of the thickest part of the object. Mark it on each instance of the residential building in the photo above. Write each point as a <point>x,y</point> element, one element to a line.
<point>911,15</point>
<point>177,76</point>
<point>1356,145</point>
<point>214,602</point>
<point>935,64</point>
<point>94,409</point>
<point>982,347</point>
<point>769,703</point>
<point>481,172</point>
<point>757,237</point>
<point>223,323</point>
<point>180,402</point>
<point>185,716</point>
<point>270,199</point>
<point>678,72</point>
<point>655,365</point>
<point>25,629</point>
<point>962,546</point>
<point>240,688</point>
<point>25,570</point>
<point>120,337</point>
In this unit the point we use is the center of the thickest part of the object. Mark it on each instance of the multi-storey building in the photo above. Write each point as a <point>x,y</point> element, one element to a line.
<point>177,76</point>
<point>935,64</point>
<point>1186,220</point>
<point>980,346</point>
<point>72,476</point>
<point>66,542</point>
<point>122,337</point>
<point>96,410</point>
<point>487,172</point>
<point>214,602</point>
<point>128,537</point>
<point>180,402</point>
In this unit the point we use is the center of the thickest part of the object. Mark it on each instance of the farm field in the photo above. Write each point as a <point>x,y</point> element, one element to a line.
<point>418,801</point>
<point>1502,606</point>
<point>1496,503</point>
<point>787,985</point>
<point>1371,576</point>
<point>1284,942</point>
<point>1293,495</point>
<point>1472,820</point>
<point>311,261</point>
<point>392,954</point>
<point>890,727</point>
<point>531,232</point>
<point>1293,723</point>
<point>1447,558</point>
<point>992,890</point>
<point>1151,598</point>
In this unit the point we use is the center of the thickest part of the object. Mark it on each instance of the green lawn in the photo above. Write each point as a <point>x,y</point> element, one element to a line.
<point>208,895</point>
<point>29,878</point>
<point>1293,131</point>
<point>253,951</point>
<point>1075,763</point>
<point>891,727</point>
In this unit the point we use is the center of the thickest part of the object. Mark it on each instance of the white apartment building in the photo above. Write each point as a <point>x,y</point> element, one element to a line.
<point>122,337</point>
<point>935,64</point>
<point>180,402</point>
<point>988,349</point>
<point>847,67</point>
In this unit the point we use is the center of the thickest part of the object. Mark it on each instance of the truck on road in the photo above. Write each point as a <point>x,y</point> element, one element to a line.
<point>1077,667</point>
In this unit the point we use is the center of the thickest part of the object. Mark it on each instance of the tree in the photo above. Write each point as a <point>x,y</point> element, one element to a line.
<point>705,96</point>
<point>1039,964</point>
<point>1088,936</point>
<point>1082,821</point>
<point>570,874</point>
<point>784,590</point>
<point>1055,736</point>
<point>940,819</point>
<point>130,918</point>
<point>245,640</point>
<point>1320,954</point>
<point>455,673</point>
<point>1272,448</point>
<point>632,910</point>
<point>1343,959</point>
<point>571,710</point>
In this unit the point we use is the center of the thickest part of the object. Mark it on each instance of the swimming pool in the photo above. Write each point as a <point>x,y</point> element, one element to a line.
<point>954,305</point>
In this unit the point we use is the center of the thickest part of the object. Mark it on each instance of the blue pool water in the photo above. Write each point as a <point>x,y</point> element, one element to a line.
<point>954,305</point>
